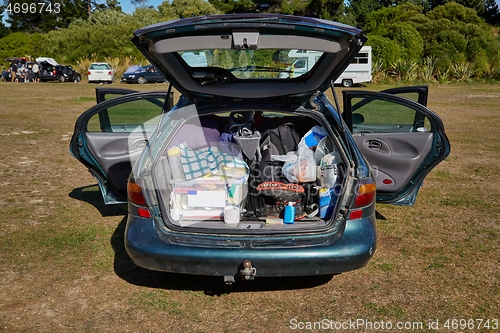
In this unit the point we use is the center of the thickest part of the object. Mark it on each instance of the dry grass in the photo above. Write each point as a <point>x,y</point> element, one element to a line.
<point>64,269</point>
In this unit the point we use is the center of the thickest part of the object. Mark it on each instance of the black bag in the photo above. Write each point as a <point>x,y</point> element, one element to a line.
<point>276,141</point>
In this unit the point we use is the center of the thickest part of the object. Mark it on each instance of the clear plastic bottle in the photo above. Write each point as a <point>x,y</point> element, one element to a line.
<point>174,159</point>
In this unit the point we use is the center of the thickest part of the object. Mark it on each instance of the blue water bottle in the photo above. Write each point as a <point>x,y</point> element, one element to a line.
<point>289,217</point>
<point>325,203</point>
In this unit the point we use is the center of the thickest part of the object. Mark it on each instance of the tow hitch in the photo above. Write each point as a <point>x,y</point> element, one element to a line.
<point>246,273</point>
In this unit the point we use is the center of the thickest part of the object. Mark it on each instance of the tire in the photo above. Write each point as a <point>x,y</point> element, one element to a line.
<point>61,78</point>
<point>347,83</point>
<point>141,80</point>
<point>78,78</point>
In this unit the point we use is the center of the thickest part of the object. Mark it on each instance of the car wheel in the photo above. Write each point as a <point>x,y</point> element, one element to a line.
<point>141,80</point>
<point>347,83</point>
<point>61,78</point>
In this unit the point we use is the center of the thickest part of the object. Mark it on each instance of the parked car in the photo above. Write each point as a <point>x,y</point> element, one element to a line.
<point>21,65</point>
<point>50,70</point>
<point>251,174</point>
<point>101,72</point>
<point>143,74</point>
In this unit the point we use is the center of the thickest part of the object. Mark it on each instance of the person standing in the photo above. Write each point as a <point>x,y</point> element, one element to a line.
<point>13,71</point>
<point>35,71</point>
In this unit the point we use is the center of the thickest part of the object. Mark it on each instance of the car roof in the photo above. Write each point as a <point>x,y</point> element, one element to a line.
<point>132,68</point>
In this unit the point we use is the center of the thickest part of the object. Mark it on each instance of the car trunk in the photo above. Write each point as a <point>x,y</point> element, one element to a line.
<point>240,169</point>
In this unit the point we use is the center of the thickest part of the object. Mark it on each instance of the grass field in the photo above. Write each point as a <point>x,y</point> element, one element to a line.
<point>63,267</point>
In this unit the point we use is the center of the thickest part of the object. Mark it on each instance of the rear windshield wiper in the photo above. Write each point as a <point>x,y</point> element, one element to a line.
<point>251,68</point>
<point>211,78</point>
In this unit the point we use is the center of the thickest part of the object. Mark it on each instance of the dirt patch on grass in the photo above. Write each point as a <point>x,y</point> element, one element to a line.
<point>63,267</point>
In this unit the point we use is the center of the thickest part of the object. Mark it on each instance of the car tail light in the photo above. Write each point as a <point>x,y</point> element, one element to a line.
<point>109,73</point>
<point>88,73</point>
<point>135,196</point>
<point>54,72</point>
<point>365,197</point>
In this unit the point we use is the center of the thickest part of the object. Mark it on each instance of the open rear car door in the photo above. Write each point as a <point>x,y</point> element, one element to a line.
<point>400,137</point>
<point>110,136</point>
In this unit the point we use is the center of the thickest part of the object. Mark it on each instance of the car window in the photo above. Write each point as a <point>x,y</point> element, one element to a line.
<point>100,66</point>
<point>262,63</point>
<point>126,117</point>
<point>373,115</point>
<point>410,95</point>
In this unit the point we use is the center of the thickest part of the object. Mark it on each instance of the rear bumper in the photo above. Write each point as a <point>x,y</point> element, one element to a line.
<point>100,78</point>
<point>352,251</point>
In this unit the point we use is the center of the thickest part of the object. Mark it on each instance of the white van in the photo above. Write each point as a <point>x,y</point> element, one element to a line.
<point>358,71</point>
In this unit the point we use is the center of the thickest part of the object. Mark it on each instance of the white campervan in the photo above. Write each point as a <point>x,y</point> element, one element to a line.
<point>358,71</point>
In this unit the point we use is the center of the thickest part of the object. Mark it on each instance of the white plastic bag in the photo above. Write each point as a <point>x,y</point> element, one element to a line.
<point>303,168</point>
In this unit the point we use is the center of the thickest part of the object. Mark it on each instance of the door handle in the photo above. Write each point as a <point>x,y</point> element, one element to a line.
<point>378,145</point>
<point>374,144</point>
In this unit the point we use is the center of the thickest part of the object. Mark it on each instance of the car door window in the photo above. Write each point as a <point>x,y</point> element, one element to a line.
<point>372,115</point>
<point>126,117</point>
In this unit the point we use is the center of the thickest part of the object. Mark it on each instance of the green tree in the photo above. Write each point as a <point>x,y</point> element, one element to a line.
<point>147,16</point>
<point>450,34</point>
<point>326,9</point>
<point>31,16</point>
<point>232,6</point>
<point>106,33</point>
<point>20,44</point>
<point>408,39</point>
<point>139,3</point>
<point>186,8</point>
<point>358,11</point>
<point>295,7</point>
<point>109,4</point>
<point>491,12</point>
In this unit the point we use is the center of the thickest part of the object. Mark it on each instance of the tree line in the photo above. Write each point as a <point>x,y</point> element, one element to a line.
<point>428,40</point>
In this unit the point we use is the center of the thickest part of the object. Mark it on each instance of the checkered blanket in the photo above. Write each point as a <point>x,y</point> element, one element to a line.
<point>209,160</point>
